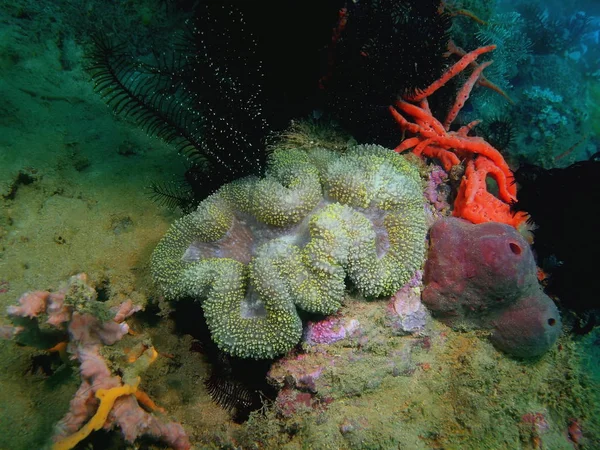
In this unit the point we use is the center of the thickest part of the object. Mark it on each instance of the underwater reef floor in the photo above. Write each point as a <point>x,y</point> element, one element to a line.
<point>73,198</point>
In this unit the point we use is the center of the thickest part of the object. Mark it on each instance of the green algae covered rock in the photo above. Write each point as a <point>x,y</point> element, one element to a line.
<point>259,248</point>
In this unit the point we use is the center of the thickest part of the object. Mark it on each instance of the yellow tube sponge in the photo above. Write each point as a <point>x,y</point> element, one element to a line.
<point>107,399</point>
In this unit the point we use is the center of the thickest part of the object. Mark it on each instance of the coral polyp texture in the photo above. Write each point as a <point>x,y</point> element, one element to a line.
<point>261,248</point>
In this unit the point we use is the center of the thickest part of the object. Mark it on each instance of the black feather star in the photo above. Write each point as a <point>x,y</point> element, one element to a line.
<point>145,93</point>
<point>239,74</point>
<point>204,98</point>
<point>228,393</point>
<point>237,385</point>
<point>172,195</point>
<point>499,132</point>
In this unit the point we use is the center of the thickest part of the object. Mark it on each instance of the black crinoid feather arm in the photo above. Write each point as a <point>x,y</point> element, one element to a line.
<point>146,93</point>
<point>173,195</point>
<point>227,393</point>
<point>204,98</point>
<point>499,132</point>
<point>239,386</point>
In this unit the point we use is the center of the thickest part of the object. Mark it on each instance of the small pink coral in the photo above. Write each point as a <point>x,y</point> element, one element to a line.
<point>86,328</point>
<point>58,312</point>
<point>126,309</point>
<point>70,309</point>
<point>537,420</point>
<point>405,313</point>
<point>135,422</point>
<point>433,191</point>
<point>8,331</point>
<point>31,304</point>
<point>291,401</point>
<point>4,287</point>
<point>298,371</point>
<point>330,330</point>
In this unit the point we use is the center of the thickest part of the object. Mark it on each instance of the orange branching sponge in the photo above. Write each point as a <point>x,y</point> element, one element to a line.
<point>433,139</point>
<point>469,14</point>
<point>454,11</point>
<point>145,400</point>
<point>462,63</point>
<point>463,94</point>
<point>453,49</point>
<point>61,349</point>
<point>475,204</point>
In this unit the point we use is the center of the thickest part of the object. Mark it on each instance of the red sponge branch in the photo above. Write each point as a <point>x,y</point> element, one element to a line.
<point>458,67</point>
<point>433,139</point>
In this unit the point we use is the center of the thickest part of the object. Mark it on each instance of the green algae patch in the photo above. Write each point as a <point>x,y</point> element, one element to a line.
<point>437,389</point>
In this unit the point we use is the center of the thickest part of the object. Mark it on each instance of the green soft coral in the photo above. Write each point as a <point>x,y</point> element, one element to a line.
<point>259,249</point>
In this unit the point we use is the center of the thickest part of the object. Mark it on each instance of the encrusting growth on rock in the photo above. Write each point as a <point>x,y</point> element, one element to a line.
<point>104,399</point>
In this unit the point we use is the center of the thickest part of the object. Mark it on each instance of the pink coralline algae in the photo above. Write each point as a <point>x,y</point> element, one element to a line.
<point>90,326</point>
<point>32,304</point>
<point>297,376</point>
<point>484,276</point>
<point>329,330</point>
<point>405,312</point>
<point>535,424</point>
<point>433,192</point>
<point>537,421</point>
<point>291,401</point>
<point>299,371</point>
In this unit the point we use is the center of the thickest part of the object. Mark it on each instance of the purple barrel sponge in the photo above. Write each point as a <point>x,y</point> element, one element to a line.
<point>484,276</point>
<point>527,328</point>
